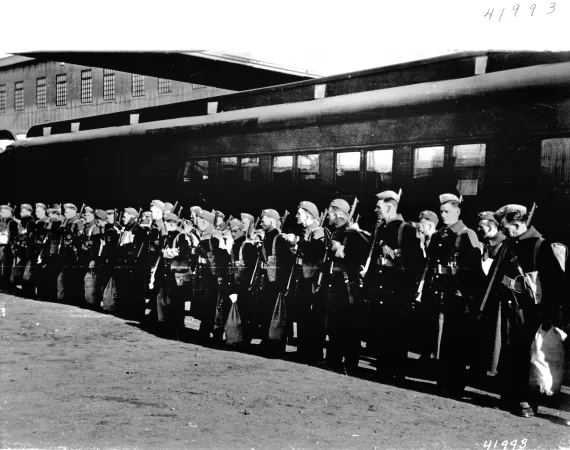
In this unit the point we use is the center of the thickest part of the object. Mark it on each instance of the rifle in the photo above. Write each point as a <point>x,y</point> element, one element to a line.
<point>284,218</point>
<point>253,227</point>
<point>44,242</point>
<point>369,259</point>
<point>500,257</point>
<point>155,266</point>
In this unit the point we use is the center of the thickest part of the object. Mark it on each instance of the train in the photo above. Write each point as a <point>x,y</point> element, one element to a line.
<point>491,126</point>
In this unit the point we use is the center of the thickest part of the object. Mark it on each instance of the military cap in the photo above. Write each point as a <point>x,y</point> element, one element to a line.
<point>88,209</point>
<point>26,206</point>
<point>444,198</point>
<point>54,208</point>
<point>8,207</point>
<point>388,195</point>
<point>132,211</point>
<point>244,216</point>
<point>487,215</point>
<point>168,207</point>
<point>236,223</point>
<point>206,215</point>
<point>195,208</point>
<point>100,214</point>
<point>271,213</point>
<point>341,204</point>
<point>70,206</point>
<point>170,217</point>
<point>41,205</point>
<point>503,211</point>
<point>311,208</point>
<point>429,215</point>
<point>158,204</point>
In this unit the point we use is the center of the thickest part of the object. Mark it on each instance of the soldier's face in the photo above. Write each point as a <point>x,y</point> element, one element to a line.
<point>101,222</point>
<point>170,226</point>
<point>382,209</point>
<point>89,217</point>
<point>127,218</point>
<point>267,223</point>
<point>53,217</point>
<point>40,213</point>
<point>427,226</point>
<point>25,213</point>
<point>111,218</point>
<point>449,213</point>
<point>156,213</point>
<point>303,217</point>
<point>486,229</point>
<point>5,213</point>
<point>69,213</point>
<point>513,229</point>
<point>247,223</point>
<point>236,232</point>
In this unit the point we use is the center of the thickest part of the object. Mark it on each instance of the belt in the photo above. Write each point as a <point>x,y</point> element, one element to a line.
<point>445,270</point>
<point>513,283</point>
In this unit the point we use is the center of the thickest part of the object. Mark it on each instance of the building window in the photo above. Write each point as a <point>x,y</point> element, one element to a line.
<point>86,86</point>
<point>379,169</point>
<point>427,160</point>
<point>2,97</point>
<point>348,171</point>
<point>61,90</point>
<point>41,97</point>
<point>468,164</point>
<point>282,171</point>
<point>307,169</point>
<point>197,86</point>
<point>137,85</point>
<point>108,84</point>
<point>249,168</point>
<point>555,165</point>
<point>19,96</point>
<point>164,86</point>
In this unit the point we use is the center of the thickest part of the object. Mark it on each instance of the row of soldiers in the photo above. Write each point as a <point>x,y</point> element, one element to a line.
<point>480,295</point>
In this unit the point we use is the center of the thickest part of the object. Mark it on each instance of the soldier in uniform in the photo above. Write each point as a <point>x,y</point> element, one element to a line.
<point>69,280</point>
<point>490,236</point>
<point>172,278</point>
<point>39,239</point>
<point>398,266</point>
<point>527,293</point>
<point>168,207</point>
<point>130,274</point>
<point>312,247</point>
<point>22,249</point>
<point>453,283</point>
<point>348,250</point>
<point>48,259</point>
<point>427,228</point>
<point>8,236</point>
<point>89,244</point>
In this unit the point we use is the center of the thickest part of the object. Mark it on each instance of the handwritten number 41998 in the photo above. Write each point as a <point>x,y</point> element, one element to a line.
<point>516,9</point>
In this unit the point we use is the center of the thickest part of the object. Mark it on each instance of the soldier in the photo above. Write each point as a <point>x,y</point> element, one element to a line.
<point>278,260</point>
<point>243,256</point>
<point>194,210</point>
<point>168,207</point>
<point>312,247</point>
<point>210,282</point>
<point>39,239</point>
<point>248,222</point>
<point>69,280</point>
<point>427,228</point>
<point>48,259</point>
<point>398,266</point>
<point>453,284</point>
<point>348,250</point>
<point>172,278</point>
<point>8,236</point>
<point>491,238</point>
<point>130,274</point>
<point>22,250</point>
<point>528,292</point>
<point>89,244</point>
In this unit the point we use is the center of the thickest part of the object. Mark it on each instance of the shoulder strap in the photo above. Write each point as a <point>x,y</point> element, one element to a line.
<point>458,238</point>
<point>401,233</point>
<point>537,245</point>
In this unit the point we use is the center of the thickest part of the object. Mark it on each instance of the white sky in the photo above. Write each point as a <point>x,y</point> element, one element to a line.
<point>323,36</point>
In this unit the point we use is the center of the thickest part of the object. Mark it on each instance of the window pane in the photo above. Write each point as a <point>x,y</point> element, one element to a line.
<point>195,171</point>
<point>426,160</point>
<point>19,96</point>
<point>137,82</point>
<point>108,84</point>
<point>250,170</point>
<point>555,164</point>
<point>61,90</point>
<point>468,162</point>
<point>164,86</point>
<point>41,96</point>
<point>308,167</point>
<point>228,165</point>
<point>282,171</point>
<point>348,170</point>
<point>379,169</point>
<point>3,97</point>
<point>86,86</point>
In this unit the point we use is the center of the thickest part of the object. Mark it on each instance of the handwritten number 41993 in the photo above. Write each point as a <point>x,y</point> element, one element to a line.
<point>516,9</point>
<point>505,445</point>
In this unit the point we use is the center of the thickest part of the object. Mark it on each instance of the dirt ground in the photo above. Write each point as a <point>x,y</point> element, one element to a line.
<point>73,378</point>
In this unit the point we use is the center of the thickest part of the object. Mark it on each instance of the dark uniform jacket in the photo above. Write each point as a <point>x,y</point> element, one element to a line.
<point>312,249</point>
<point>23,244</point>
<point>39,235</point>
<point>244,256</point>
<point>8,231</point>
<point>277,251</point>
<point>90,242</point>
<point>70,235</point>
<point>131,238</point>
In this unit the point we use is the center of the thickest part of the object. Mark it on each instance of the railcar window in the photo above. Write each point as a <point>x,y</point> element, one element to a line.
<point>228,165</point>
<point>2,97</point>
<point>19,96</point>
<point>282,171</point>
<point>308,168</point>
<point>250,170</point>
<point>86,86</point>
<point>427,160</point>
<point>195,171</point>
<point>468,162</point>
<point>348,170</point>
<point>61,90</point>
<point>379,169</point>
<point>137,85</point>
<point>41,97</point>
<point>108,84</point>
<point>555,164</point>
